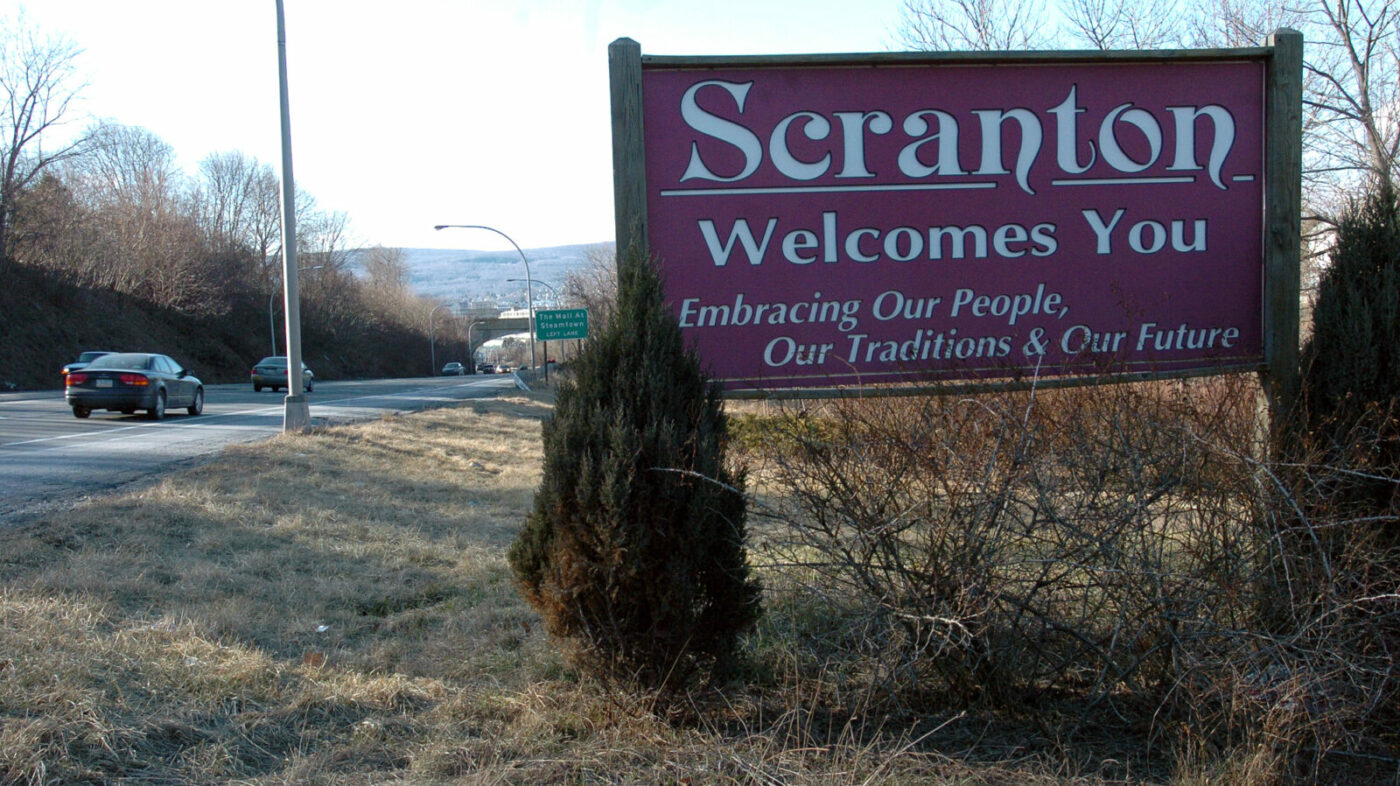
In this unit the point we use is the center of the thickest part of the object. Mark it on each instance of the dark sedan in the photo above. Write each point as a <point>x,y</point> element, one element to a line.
<point>128,381</point>
<point>271,372</point>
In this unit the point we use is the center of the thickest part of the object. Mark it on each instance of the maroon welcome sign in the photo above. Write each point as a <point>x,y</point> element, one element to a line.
<point>855,222</point>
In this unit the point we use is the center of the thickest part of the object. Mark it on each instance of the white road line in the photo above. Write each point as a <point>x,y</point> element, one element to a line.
<point>274,409</point>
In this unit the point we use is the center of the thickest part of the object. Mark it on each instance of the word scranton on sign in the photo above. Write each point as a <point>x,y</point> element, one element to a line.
<point>858,220</point>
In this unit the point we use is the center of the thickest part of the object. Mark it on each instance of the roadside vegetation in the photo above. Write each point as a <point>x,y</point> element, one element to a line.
<point>338,607</point>
<point>50,320</point>
<point>107,242</point>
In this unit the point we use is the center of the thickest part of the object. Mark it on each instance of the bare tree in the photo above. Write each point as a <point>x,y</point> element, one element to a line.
<point>386,269</point>
<point>49,229</point>
<point>331,292</point>
<point>1352,90</point>
<point>322,238</point>
<point>148,240</point>
<point>37,88</point>
<point>1351,86</point>
<point>386,287</point>
<point>1228,23</point>
<point>131,165</point>
<point>983,25</point>
<point>239,203</point>
<point>1125,24</point>
<point>594,286</point>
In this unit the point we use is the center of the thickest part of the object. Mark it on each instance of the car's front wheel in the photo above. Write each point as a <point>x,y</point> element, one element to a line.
<point>197,406</point>
<point>310,386</point>
<point>158,411</point>
<point>81,412</point>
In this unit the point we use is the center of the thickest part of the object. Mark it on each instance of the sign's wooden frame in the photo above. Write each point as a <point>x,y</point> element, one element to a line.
<point>1283,57</point>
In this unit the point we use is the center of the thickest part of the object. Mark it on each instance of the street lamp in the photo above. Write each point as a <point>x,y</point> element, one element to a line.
<point>529,290</point>
<point>545,284</point>
<point>272,300</point>
<point>432,347</point>
<point>296,414</point>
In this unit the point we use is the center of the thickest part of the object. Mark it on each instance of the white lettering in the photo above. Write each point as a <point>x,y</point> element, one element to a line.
<point>721,129</point>
<point>816,128</point>
<point>1066,134</point>
<point>1108,138</point>
<point>1031,135</point>
<point>946,138</point>
<point>1159,237</point>
<point>1100,229</point>
<point>934,137</point>
<point>853,125</point>
<point>740,230</point>
<point>1224,139</point>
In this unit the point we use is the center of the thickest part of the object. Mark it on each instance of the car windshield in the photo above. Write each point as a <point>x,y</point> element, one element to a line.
<point>273,361</point>
<point>88,357</point>
<point>133,361</point>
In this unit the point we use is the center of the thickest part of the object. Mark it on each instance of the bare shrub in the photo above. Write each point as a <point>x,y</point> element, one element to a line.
<point>1338,521</point>
<point>1115,551</point>
<point>594,286</point>
<point>1337,560</point>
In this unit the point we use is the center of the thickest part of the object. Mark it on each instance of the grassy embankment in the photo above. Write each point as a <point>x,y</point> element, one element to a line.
<point>336,608</point>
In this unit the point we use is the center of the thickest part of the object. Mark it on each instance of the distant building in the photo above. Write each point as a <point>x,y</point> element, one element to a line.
<point>478,309</point>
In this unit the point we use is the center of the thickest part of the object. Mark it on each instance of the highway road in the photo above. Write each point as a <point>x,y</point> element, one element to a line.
<point>48,458</point>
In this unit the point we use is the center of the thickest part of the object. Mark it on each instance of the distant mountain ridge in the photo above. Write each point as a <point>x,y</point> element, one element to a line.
<point>457,275</point>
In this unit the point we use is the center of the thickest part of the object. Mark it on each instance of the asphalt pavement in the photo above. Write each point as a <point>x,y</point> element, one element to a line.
<point>50,459</point>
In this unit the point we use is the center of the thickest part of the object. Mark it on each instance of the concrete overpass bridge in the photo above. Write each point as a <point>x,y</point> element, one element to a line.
<point>483,330</point>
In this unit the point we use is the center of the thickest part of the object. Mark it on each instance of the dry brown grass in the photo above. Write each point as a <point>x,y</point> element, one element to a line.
<point>336,608</point>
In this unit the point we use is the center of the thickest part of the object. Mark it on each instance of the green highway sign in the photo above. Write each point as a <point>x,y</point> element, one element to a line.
<point>561,323</point>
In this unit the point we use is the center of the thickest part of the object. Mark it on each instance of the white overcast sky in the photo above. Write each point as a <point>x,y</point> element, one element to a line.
<point>410,113</point>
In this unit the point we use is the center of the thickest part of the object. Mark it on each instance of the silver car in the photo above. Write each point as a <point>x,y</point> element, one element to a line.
<point>271,372</point>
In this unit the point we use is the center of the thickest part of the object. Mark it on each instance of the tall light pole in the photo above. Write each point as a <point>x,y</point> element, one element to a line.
<point>529,290</point>
<point>271,315</point>
<point>432,347</point>
<point>296,415</point>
